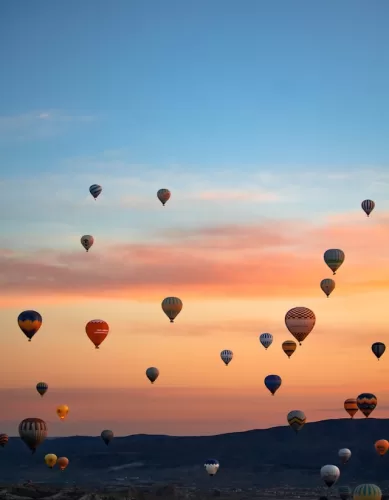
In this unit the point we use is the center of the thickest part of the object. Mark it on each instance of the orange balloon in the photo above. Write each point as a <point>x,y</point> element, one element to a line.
<point>97,330</point>
<point>381,446</point>
<point>63,462</point>
<point>62,411</point>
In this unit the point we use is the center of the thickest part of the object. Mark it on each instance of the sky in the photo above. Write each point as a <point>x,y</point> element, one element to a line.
<point>269,122</point>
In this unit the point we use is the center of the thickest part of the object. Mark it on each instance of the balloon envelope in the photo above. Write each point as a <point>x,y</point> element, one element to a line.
<point>266,339</point>
<point>107,436</point>
<point>172,307</point>
<point>273,383</point>
<point>62,411</point>
<point>300,322</point>
<point>97,330</point>
<point>63,462</point>
<point>344,455</point>
<point>95,190</point>
<point>334,258</point>
<point>378,349</point>
<point>152,374</point>
<point>226,356</point>
<point>350,405</point>
<point>367,492</point>
<point>3,440</point>
<point>42,387</point>
<point>211,465</point>
<point>163,195</point>
<point>296,419</point>
<point>381,446</point>
<point>289,346</point>
<point>29,322</point>
<point>328,286</point>
<point>330,474</point>
<point>33,431</point>
<point>87,241</point>
<point>368,206</point>
<point>366,402</point>
<point>51,460</point>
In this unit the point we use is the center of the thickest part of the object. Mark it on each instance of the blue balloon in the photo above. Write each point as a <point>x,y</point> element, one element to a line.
<point>29,322</point>
<point>273,383</point>
<point>95,190</point>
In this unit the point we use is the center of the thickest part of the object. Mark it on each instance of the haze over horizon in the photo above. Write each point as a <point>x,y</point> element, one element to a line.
<point>269,126</point>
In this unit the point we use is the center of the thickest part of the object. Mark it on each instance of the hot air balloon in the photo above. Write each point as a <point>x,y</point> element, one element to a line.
<point>367,492</point>
<point>296,419</point>
<point>350,405</point>
<point>344,492</point>
<point>62,411</point>
<point>368,206</point>
<point>289,346</point>
<point>3,440</point>
<point>211,465</point>
<point>334,258</point>
<point>300,322</point>
<point>171,306</point>
<point>381,446</point>
<point>163,195</point>
<point>107,436</point>
<point>273,383</point>
<point>87,241</point>
<point>42,387</point>
<point>344,455</point>
<point>378,349</point>
<point>51,460</point>
<point>152,374</point>
<point>366,403</point>
<point>33,431</point>
<point>29,322</point>
<point>330,474</point>
<point>97,330</point>
<point>95,190</point>
<point>63,462</point>
<point>266,339</point>
<point>328,286</point>
<point>226,356</point>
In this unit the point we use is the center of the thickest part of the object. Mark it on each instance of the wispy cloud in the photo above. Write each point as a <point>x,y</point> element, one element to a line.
<point>39,124</point>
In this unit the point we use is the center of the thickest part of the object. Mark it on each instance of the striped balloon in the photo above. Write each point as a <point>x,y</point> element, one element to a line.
<point>95,190</point>
<point>378,349</point>
<point>33,431</point>
<point>368,206</point>
<point>350,405</point>
<point>266,339</point>
<point>366,402</point>
<point>42,387</point>
<point>289,346</point>
<point>334,258</point>
<point>3,440</point>
<point>226,356</point>
<point>296,419</point>
<point>367,492</point>
<point>328,286</point>
<point>172,307</point>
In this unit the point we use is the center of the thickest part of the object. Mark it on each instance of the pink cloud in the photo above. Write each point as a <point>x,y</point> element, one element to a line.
<point>280,259</point>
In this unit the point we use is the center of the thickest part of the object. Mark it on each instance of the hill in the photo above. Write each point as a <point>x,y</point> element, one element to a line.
<point>258,458</point>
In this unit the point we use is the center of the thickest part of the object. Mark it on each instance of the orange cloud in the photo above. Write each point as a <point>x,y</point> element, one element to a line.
<point>281,259</point>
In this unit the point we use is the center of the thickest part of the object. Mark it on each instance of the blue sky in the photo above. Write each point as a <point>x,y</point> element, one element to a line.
<point>266,96</point>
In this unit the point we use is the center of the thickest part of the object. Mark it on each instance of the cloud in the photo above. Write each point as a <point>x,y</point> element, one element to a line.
<point>274,259</point>
<point>38,125</point>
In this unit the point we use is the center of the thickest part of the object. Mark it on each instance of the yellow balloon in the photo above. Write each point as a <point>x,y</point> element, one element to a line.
<point>62,411</point>
<point>51,460</point>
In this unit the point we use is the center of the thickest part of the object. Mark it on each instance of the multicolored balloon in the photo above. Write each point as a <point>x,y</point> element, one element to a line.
<point>226,356</point>
<point>368,206</point>
<point>211,465</point>
<point>29,322</point>
<point>334,258</point>
<point>152,374</point>
<point>273,383</point>
<point>87,241</point>
<point>51,460</point>
<point>344,455</point>
<point>378,349</point>
<point>42,387</point>
<point>172,307</point>
<point>366,402</point>
<point>107,436</point>
<point>328,286</point>
<point>63,462</point>
<point>330,474</point>
<point>300,322</point>
<point>95,190</point>
<point>163,195</point>
<point>62,411</point>
<point>350,405</point>
<point>289,346</point>
<point>296,419</point>
<point>266,339</point>
<point>381,446</point>
<point>367,492</point>
<point>97,331</point>
<point>3,440</point>
<point>33,431</point>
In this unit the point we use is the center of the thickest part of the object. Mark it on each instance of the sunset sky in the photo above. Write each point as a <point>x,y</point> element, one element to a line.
<point>269,123</point>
